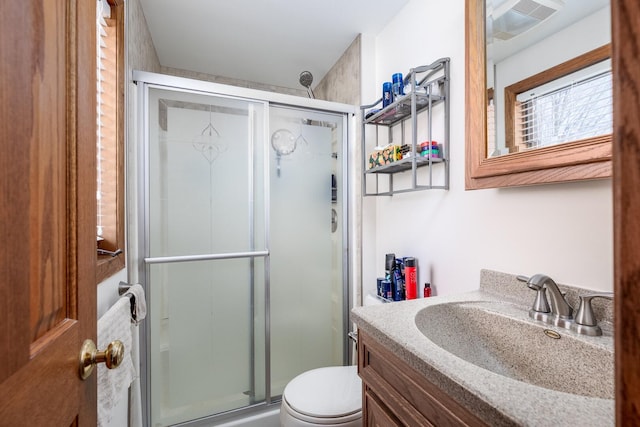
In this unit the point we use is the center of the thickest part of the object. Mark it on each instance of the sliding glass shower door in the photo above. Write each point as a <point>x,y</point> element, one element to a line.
<point>243,253</point>
<point>306,292</point>
<point>206,254</point>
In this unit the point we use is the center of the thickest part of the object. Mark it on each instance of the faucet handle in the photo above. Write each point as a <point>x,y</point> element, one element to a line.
<point>540,305</point>
<point>585,314</point>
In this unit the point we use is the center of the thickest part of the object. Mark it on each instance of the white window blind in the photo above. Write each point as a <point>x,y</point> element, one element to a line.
<point>577,110</point>
<point>491,127</point>
<point>105,95</point>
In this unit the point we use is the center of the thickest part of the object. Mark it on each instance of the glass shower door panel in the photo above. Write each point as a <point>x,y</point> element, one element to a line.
<point>205,174</point>
<point>305,249</point>
<point>203,336</point>
<point>206,198</point>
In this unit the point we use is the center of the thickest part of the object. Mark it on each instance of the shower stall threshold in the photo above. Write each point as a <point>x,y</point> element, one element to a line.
<point>257,416</point>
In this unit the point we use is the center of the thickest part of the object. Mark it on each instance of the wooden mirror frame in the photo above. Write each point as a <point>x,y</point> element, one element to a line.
<point>572,161</point>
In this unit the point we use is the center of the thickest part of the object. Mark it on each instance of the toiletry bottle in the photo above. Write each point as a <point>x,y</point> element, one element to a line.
<point>387,94</point>
<point>427,290</point>
<point>411,278</point>
<point>389,265</point>
<point>387,289</point>
<point>398,85</point>
<point>398,283</point>
<point>387,283</point>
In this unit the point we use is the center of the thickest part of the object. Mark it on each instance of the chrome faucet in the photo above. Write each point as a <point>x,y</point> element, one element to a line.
<point>556,310</point>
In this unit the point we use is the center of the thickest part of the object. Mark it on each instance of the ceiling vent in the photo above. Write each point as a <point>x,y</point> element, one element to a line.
<point>513,17</point>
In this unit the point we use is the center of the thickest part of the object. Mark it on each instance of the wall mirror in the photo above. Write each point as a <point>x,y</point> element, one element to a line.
<point>538,91</point>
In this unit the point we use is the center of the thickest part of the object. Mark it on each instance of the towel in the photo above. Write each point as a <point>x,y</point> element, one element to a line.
<point>113,383</point>
<point>138,304</point>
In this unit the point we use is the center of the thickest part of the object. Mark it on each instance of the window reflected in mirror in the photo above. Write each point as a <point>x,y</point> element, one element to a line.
<point>548,79</point>
<point>570,102</point>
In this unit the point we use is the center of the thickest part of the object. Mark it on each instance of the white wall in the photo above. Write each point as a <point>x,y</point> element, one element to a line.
<point>563,230</point>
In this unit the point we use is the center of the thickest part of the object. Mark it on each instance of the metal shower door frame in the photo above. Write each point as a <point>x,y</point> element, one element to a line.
<point>140,254</point>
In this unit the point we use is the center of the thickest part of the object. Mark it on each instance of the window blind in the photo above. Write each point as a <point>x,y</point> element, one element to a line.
<point>106,111</point>
<point>491,128</point>
<point>110,137</point>
<point>578,110</point>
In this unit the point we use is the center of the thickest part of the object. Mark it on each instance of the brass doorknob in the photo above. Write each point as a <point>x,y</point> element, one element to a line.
<point>90,356</point>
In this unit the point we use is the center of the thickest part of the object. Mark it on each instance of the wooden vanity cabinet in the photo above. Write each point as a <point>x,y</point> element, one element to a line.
<point>394,394</point>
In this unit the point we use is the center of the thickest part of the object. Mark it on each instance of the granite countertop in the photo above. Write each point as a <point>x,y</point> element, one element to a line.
<point>494,398</point>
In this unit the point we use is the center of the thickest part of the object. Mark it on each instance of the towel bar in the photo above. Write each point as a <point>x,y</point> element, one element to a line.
<point>123,287</point>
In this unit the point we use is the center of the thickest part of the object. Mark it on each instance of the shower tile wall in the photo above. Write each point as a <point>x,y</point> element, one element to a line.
<point>141,53</point>
<point>338,84</point>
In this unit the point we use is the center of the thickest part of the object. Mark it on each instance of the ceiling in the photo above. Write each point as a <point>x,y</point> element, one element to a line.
<point>263,41</point>
<point>571,12</point>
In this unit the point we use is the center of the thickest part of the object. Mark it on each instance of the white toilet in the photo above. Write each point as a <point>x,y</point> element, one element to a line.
<point>330,396</point>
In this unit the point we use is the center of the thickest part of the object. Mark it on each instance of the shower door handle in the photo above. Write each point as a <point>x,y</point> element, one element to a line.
<point>205,257</point>
<point>334,220</point>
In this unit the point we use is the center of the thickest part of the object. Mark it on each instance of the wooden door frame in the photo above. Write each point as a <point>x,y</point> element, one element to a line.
<point>625,16</point>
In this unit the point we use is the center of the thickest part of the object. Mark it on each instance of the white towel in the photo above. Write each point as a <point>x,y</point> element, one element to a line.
<point>139,308</point>
<point>113,383</point>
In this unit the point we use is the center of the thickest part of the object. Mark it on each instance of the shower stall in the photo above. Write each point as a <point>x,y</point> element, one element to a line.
<point>241,236</point>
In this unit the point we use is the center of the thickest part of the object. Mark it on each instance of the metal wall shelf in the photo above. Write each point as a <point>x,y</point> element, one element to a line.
<point>404,165</point>
<point>401,109</point>
<point>428,88</point>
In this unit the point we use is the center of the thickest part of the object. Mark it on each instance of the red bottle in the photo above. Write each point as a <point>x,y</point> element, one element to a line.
<point>411,278</point>
<point>427,290</point>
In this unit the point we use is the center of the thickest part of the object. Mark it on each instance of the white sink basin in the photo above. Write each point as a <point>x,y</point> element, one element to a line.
<point>499,337</point>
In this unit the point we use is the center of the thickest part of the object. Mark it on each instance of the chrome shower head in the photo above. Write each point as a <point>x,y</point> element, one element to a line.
<point>306,78</point>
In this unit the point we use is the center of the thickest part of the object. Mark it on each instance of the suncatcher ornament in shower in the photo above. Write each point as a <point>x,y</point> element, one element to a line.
<point>207,142</point>
<point>284,143</point>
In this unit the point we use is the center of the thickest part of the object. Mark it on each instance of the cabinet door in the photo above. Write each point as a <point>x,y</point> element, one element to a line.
<point>400,393</point>
<point>376,414</point>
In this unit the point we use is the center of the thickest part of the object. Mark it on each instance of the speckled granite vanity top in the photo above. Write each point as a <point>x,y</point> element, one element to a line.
<point>483,350</point>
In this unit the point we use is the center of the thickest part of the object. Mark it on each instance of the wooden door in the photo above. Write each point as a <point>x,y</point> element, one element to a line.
<point>47,211</point>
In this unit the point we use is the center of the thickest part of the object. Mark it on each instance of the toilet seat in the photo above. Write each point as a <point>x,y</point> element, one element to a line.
<point>324,396</point>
